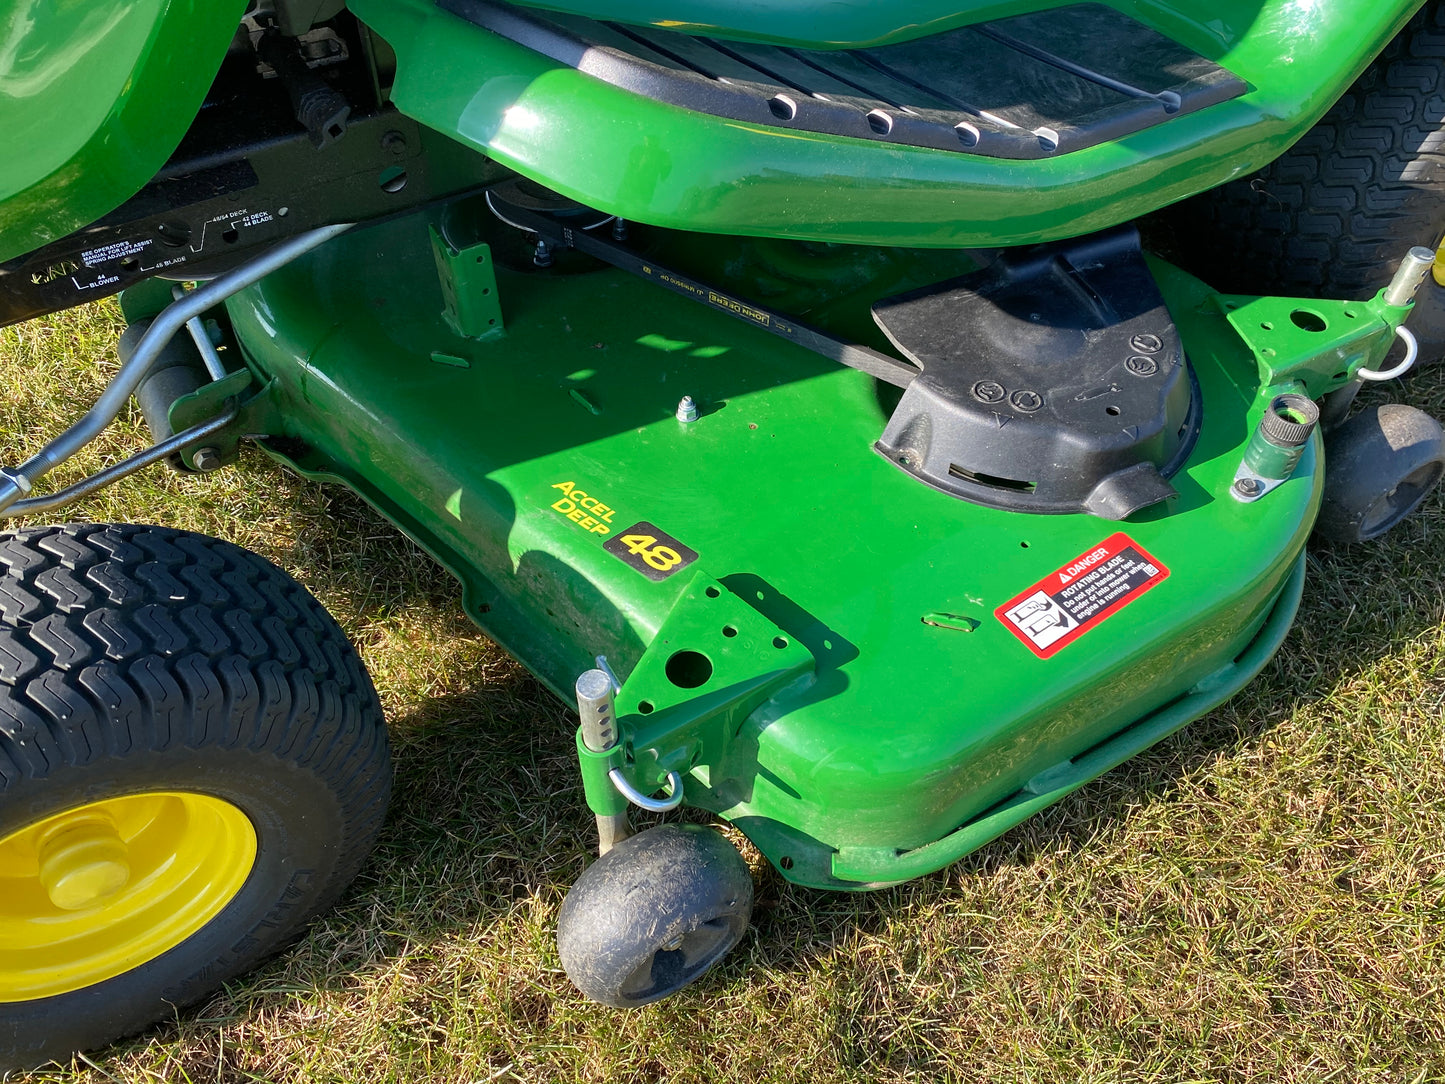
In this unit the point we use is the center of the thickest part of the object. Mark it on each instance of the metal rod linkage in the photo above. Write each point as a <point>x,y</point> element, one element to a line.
<point>15,484</point>
<point>116,471</point>
<point>552,235</point>
<point>202,338</point>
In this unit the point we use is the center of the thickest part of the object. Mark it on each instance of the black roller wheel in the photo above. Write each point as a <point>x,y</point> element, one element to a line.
<point>1334,215</point>
<point>653,914</point>
<point>1379,466</point>
<point>193,763</point>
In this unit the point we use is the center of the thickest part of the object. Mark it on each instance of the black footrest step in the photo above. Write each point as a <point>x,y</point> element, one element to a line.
<point>1030,86</point>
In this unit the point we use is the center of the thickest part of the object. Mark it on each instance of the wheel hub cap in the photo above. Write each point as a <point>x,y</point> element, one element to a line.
<point>99,889</point>
<point>83,865</point>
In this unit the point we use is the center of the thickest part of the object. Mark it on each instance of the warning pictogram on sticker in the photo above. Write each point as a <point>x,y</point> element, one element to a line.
<point>1065,604</point>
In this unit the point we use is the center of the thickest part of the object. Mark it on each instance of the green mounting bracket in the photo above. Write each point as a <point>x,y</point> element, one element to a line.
<point>472,306</point>
<point>602,797</point>
<point>258,415</point>
<point>145,299</point>
<point>713,662</point>
<point>1319,345</point>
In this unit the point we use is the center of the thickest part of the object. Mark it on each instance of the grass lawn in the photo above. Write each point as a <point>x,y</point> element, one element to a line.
<point>1260,897</point>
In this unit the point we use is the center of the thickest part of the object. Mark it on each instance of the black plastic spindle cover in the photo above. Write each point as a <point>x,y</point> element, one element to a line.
<point>1053,381</point>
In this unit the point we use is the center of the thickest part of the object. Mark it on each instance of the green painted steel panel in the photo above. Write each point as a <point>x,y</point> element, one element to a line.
<point>94,97</point>
<point>901,731</point>
<point>656,163</point>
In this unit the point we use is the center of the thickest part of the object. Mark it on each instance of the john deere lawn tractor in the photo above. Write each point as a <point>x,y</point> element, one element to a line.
<point>878,419</point>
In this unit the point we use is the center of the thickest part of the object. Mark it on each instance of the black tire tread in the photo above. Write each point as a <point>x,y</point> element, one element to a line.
<point>1335,213</point>
<point>122,638</point>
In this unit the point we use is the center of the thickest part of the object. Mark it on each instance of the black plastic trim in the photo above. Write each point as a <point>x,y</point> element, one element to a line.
<point>1027,87</point>
<point>1052,381</point>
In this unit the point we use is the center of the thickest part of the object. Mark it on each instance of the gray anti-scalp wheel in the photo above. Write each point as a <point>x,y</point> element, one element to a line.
<point>653,914</point>
<point>1379,466</point>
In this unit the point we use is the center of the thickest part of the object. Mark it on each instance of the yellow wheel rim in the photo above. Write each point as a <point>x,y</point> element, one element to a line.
<point>92,892</point>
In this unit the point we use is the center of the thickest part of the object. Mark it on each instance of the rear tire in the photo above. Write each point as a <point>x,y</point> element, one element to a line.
<point>164,697</point>
<point>1335,214</point>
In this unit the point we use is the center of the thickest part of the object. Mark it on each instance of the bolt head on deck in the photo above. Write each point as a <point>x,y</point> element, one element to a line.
<point>206,459</point>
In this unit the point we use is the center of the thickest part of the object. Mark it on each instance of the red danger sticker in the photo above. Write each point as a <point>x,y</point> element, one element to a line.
<point>1065,604</point>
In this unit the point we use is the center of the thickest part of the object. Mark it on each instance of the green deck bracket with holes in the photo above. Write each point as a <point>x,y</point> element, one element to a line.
<point>1319,345</point>
<point>712,663</point>
<point>472,307</point>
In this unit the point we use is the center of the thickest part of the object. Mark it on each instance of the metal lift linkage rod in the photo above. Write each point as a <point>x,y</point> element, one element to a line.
<point>17,483</point>
<point>116,471</point>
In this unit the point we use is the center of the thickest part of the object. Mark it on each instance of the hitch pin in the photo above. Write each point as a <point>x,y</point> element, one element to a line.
<point>1409,275</point>
<point>1401,291</point>
<point>596,709</point>
<point>599,734</point>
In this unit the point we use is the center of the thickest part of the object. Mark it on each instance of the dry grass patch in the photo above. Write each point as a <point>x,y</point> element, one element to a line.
<point>1259,898</point>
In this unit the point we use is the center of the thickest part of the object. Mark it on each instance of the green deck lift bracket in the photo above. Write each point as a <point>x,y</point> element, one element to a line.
<point>1319,345</point>
<point>258,414</point>
<point>713,662</point>
<point>472,307</point>
<point>602,797</point>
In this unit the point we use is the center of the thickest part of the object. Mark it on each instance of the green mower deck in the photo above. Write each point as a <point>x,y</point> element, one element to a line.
<point>813,638</point>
